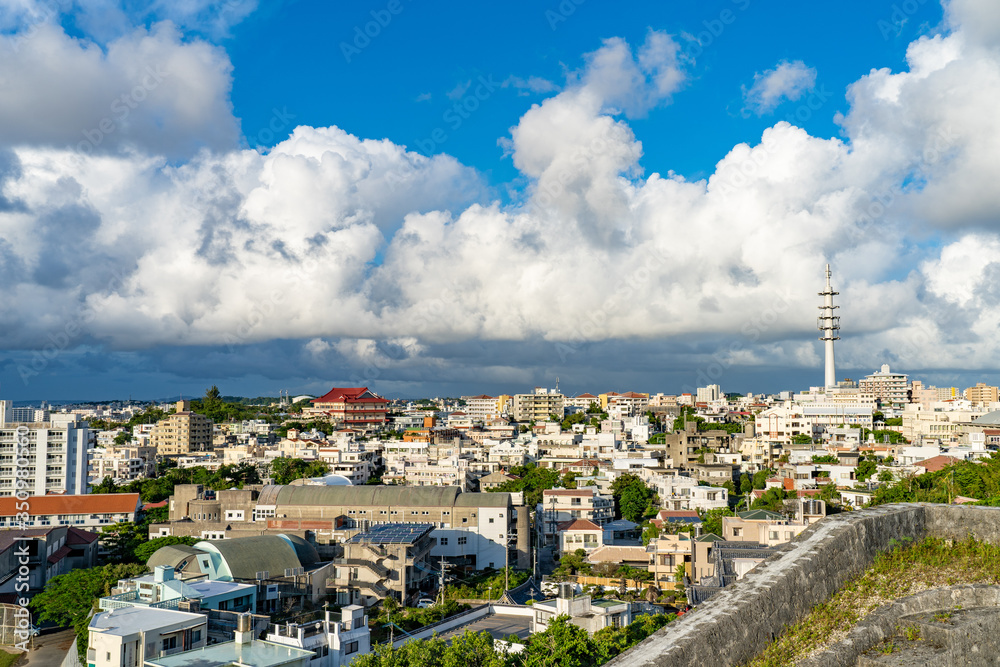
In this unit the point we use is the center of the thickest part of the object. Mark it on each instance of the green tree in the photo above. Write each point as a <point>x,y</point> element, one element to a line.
<point>773,500</point>
<point>711,520</point>
<point>649,533</point>
<point>123,438</point>
<point>633,502</point>
<point>286,470</point>
<point>573,562</point>
<point>561,645</point>
<point>107,485</point>
<point>633,499</point>
<point>122,539</point>
<point>760,478</point>
<point>746,484</point>
<point>802,439</point>
<point>865,470</point>
<point>472,649</point>
<point>68,598</point>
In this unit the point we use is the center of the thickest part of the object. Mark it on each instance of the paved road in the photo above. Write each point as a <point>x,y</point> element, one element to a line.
<point>499,626</point>
<point>50,648</point>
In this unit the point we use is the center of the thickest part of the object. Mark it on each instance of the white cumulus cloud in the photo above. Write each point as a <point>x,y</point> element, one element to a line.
<point>787,81</point>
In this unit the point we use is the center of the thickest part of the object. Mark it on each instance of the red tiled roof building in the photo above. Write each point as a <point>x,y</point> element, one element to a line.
<point>353,406</point>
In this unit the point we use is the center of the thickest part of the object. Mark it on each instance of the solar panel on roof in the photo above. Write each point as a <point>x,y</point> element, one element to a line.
<point>392,533</point>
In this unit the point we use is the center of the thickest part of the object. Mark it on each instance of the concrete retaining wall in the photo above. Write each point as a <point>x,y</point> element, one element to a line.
<point>884,621</point>
<point>736,624</point>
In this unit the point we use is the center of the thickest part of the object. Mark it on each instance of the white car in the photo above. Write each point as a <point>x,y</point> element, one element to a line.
<point>423,603</point>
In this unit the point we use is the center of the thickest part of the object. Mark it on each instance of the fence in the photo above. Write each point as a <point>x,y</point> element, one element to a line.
<point>607,582</point>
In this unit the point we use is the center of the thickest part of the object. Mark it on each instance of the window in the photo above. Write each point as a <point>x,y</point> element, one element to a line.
<point>465,520</point>
<point>773,534</point>
<point>196,636</point>
<point>444,541</point>
<point>350,647</point>
<point>737,532</point>
<point>462,540</point>
<point>169,643</point>
<point>491,519</point>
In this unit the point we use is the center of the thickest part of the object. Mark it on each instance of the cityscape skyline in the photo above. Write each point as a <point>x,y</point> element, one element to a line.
<point>293,195</point>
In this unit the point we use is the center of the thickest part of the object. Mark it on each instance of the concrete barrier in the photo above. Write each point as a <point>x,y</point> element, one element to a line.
<point>738,623</point>
<point>447,624</point>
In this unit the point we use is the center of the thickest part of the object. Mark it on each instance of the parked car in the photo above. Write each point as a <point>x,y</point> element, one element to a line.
<point>423,603</point>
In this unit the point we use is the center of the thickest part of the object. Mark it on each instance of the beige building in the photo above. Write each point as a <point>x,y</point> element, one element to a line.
<point>471,529</point>
<point>982,394</point>
<point>183,432</point>
<point>538,406</point>
<point>391,559</point>
<point>761,527</point>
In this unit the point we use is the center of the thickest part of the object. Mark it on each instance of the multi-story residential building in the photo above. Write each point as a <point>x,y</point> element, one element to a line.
<point>890,390</point>
<point>946,421</point>
<point>129,636</point>
<point>685,493</point>
<point>356,407</point>
<point>88,512</point>
<point>781,425</point>
<point>583,611</point>
<point>683,449</point>
<point>33,556</point>
<point>481,409</point>
<point>538,406</point>
<point>666,554</point>
<point>390,559</point>
<point>560,505</point>
<point>121,463</point>
<point>709,394</point>
<point>163,589</point>
<point>334,643</point>
<point>471,529</point>
<point>182,433</point>
<point>982,394</point>
<point>51,457</point>
<point>761,527</point>
<point>629,404</point>
<point>582,401</point>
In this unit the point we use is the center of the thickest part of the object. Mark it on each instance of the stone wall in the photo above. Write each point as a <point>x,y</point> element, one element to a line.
<point>738,623</point>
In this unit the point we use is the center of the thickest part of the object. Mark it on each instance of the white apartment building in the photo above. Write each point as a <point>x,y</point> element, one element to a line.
<point>122,464</point>
<point>709,394</point>
<point>781,424</point>
<point>130,636</point>
<point>685,493</point>
<point>559,505</point>
<point>55,451</point>
<point>629,404</point>
<point>481,409</point>
<point>837,414</point>
<point>334,643</point>
<point>890,389</point>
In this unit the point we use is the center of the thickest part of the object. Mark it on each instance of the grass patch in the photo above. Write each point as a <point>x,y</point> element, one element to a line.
<point>904,570</point>
<point>9,659</point>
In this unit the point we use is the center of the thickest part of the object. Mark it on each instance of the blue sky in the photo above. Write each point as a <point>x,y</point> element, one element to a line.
<point>292,57</point>
<point>486,197</point>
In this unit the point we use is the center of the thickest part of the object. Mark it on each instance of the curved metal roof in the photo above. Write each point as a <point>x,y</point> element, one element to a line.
<point>246,556</point>
<point>172,555</point>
